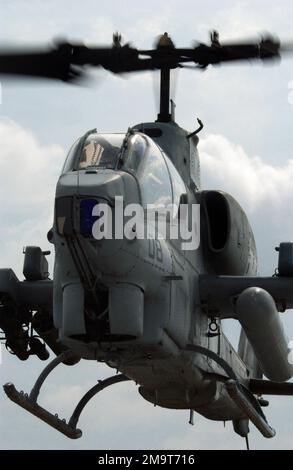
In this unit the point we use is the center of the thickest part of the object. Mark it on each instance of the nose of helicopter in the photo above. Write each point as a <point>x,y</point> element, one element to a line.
<point>103,184</point>
<point>79,193</point>
<point>91,182</point>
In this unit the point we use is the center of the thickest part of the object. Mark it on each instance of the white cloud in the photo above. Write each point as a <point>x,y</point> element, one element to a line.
<point>264,191</point>
<point>249,178</point>
<point>28,175</point>
<point>27,168</point>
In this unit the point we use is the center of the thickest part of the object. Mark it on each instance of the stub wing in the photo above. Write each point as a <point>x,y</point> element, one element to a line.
<point>255,302</point>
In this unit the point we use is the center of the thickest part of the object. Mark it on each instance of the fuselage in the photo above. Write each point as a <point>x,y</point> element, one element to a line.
<point>134,302</point>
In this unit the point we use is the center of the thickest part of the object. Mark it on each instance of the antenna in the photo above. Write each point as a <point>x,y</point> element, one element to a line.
<point>173,106</point>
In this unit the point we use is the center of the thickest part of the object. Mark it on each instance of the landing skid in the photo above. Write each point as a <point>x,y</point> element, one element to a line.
<point>241,396</point>
<point>256,417</point>
<point>29,402</point>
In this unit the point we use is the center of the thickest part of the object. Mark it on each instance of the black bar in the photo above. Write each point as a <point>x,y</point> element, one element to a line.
<point>195,459</point>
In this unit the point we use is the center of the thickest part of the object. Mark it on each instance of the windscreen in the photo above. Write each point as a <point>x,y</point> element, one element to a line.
<point>101,150</point>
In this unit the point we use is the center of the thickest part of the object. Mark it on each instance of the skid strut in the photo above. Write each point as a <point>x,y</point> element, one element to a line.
<point>29,402</point>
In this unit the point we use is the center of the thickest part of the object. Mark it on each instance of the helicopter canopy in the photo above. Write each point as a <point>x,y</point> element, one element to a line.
<point>159,181</point>
<point>101,150</point>
<point>98,150</point>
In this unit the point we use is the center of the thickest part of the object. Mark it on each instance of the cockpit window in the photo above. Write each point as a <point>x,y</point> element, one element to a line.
<point>101,150</point>
<point>159,181</point>
<point>154,178</point>
<point>135,153</point>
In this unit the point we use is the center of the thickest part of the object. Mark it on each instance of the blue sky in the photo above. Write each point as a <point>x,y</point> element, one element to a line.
<point>246,149</point>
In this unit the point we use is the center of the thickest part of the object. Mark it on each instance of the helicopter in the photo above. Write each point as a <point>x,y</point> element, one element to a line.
<point>146,303</point>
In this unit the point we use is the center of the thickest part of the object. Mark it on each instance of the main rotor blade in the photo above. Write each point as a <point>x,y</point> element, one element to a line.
<point>267,48</point>
<point>53,63</point>
<point>66,62</point>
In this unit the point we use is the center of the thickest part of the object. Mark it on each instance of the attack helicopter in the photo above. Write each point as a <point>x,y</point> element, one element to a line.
<point>147,306</point>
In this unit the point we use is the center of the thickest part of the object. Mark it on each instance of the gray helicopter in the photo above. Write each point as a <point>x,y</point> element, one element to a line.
<point>149,306</point>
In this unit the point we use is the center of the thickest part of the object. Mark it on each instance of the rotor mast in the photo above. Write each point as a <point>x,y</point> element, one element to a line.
<point>164,114</point>
<point>165,43</point>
